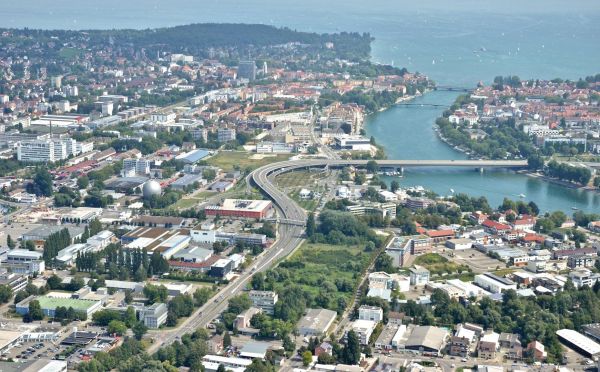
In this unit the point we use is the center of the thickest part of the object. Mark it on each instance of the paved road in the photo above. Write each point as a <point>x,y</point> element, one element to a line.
<point>290,237</point>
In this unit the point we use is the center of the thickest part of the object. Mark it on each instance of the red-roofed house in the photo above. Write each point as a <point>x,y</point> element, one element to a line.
<point>494,227</point>
<point>524,223</point>
<point>438,236</point>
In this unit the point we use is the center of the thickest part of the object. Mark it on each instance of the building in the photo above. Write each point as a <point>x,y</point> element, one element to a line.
<point>16,282</point>
<point>427,339</point>
<point>352,142</point>
<point>187,181</point>
<point>194,156</point>
<point>578,342</point>
<point>494,283</point>
<point>222,268</point>
<point>578,261</point>
<point>225,134</point>
<point>316,322</point>
<point>167,242</point>
<point>49,305</point>
<point>242,321</point>
<point>459,244</point>
<point>264,300</point>
<point>538,350</point>
<point>247,70</point>
<point>22,261</point>
<point>488,345</point>
<point>211,363</point>
<point>135,167</point>
<point>419,203</point>
<point>39,234</point>
<point>363,329</point>
<point>419,275</point>
<point>255,209</point>
<point>154,315</point>
<point>584,277</point>
<point>384,341</point>
<point>373,313</point>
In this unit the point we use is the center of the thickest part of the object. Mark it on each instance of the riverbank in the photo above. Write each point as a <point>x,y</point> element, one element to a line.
<point>556,181</point>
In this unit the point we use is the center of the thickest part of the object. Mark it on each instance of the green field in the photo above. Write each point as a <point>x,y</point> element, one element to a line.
<point>69,53</point>
<point>293,182</point>
<point>53,303</point>
<point>230,160</point>
<point>441,266</point>
<point>320,267</point>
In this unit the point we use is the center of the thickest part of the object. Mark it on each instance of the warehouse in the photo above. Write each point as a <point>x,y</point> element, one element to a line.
<point>578,342</point>
<point>316,322</point>
<point>427,339</point>
<point>256,209</point>
<point>459,244</point>
<point>494,283</point>
<point>189,180</point>
<point>49,305</point>
<point>165,241</point>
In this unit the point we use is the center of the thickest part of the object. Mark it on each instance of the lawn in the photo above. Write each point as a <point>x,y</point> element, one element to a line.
<point>295,181</point>
<point>230,160</point>
<point>69,53</point>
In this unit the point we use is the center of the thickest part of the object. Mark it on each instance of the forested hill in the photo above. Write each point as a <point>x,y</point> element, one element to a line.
<point>198,38</point>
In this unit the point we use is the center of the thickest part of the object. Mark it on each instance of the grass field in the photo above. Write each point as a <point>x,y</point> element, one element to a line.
<point>230,160</point>
<point>322,267</point>
<point>440,266</point>
<point>69,53</point>
<point>295,181</point>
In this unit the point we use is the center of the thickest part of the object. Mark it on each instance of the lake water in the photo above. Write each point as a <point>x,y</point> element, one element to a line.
<point>456,43</point>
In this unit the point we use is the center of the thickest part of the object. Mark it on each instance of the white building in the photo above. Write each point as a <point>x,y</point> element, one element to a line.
<point>22,261</point>
<point>363,329</point>
<point>155,315</point>
<point>135,167</point>
<point>264,300</point>
<point>419,275</point>
<point>494,283</point>
<point>374,313</point>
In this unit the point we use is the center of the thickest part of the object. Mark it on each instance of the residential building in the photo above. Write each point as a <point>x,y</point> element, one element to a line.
<point>136,167</point>
<point>225,134</point>
<point>247,70</point>
<point>363,329</point>
<point>488,345</point>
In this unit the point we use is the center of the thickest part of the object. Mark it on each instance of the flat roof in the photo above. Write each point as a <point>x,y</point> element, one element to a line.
<point>241,204</point>
<point>25,253</point>
<point>584,343</point>
<point>54,302</point>
<point>317,319</point>
<point>8,337</point>
<point>427,336</point>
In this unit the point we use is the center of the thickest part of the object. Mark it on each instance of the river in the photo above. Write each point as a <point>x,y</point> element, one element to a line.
<point>456,43</point>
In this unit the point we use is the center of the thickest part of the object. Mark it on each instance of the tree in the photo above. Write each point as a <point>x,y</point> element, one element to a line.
<point>35,310</point>
<point>83,182</point>
<point>202,295</point>
<point>226,340</point>
<point>117,327</point>
<point>372,166</point>
<point>139,330</point>
<point>310,225</point>
<point>384,263</point>
<point>54,282</point>
<point>209,174</point>
<point>41,184</point>
<point>306,358</point>
<point>10,242</point>
<point>221,368</point>
<point>258,281</point>
<point>5,294</point>
<point>351,352</point>
<point>394,186</point>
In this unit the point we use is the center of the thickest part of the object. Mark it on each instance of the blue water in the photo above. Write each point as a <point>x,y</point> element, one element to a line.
<point>456,43</point>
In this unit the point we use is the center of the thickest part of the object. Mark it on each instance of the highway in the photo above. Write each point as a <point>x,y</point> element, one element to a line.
<point>290,236</point>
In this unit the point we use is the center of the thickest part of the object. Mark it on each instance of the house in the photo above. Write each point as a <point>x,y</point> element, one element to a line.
<point>488,345</point>
<point>363,329</point>
<point>594,226</point>
<point>324,347</point>
<point>537,349</point>
<point>374,313</point>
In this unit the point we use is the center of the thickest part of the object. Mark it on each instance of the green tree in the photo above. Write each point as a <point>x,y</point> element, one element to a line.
<point>10,242</point>
<point>310,225</point>
<point>139,330</point>
<point>351,352</point>
<point>5,294</point>
<point>117,327</point>
<point>394,186</point>
<point>372,166</point>
<point>35,310</point>
<point>226,340</point>
<point>83,182</point>
<point>306,358</point>
<point>42,183</point>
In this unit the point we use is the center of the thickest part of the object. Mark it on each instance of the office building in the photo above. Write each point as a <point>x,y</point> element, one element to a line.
<point>419,275</point>
<point>135,167</point>
<point>22,261</point>
<point>154,315</point>
<point>255,209</point>
<point>374,313</point>
<point>264,300</point>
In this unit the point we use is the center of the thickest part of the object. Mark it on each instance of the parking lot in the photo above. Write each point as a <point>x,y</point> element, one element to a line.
<point>479,262</point>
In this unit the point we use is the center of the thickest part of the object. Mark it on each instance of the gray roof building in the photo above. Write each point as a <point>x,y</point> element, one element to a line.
<point>427,339</point>
<point>316,322</point>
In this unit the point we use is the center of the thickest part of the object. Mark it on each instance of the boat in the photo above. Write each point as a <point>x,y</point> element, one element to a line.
<point>521,195</point>
<point>574,208</point>
<point>452,191</point>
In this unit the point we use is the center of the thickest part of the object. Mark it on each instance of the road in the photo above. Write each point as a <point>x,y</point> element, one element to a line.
<point>290,236</point>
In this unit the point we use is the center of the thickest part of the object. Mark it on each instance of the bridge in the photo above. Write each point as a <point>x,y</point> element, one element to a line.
<point>435,105</point>
<point>332,163</point>
<point>453,89</point>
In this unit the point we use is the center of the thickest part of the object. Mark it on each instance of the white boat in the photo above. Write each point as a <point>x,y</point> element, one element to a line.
<point>521,195</point>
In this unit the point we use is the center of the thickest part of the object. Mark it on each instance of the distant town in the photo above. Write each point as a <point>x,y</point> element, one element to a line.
<point>171,202</point>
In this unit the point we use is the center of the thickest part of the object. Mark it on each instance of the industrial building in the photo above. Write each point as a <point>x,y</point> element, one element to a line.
<point>49,305</point>
<point>427,339</point>
<point>157,239</point>
<point>494,283</point>
<point>22,261</point>
<point>316,322</point>
<point>578,342</point>
<point>255,209</point>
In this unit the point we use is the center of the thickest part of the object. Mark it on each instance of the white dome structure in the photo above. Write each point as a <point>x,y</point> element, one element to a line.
<point>151,188</point>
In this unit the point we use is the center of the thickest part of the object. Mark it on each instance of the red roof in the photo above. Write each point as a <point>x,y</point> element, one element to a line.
<point>495,225</point>
<point>439,233</point>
